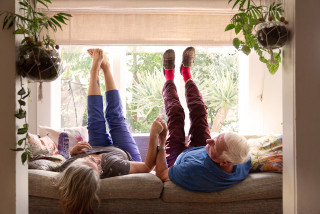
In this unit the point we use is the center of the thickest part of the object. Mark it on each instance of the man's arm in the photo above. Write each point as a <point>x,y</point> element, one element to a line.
<point>161,166</point>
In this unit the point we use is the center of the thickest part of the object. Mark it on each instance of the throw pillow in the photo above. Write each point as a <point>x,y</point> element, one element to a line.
<point>41,146</point>
<point>48,163</point>
<point>266,154</point>
<point>66,138</point>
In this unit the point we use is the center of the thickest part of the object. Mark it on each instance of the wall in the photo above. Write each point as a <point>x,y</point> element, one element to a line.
<point>14,179</point>
<point>301,87</point>
<point>260,97</point>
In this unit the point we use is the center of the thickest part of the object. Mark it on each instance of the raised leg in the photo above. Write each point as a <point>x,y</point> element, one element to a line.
<point>118,129</point>
<point>175,143</point>
<point>98,135</point>
<point>117,125</point>
<point>199,128</point>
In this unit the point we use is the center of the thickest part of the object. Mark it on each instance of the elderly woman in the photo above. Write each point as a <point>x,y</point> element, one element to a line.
<point>106,155</point>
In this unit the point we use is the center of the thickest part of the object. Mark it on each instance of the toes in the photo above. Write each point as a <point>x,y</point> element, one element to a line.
<point>90,52</point>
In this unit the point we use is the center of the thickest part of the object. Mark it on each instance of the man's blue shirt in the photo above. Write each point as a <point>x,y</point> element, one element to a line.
<point>195,171</point>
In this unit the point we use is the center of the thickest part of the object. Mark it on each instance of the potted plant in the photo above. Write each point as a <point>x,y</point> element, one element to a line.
<point>38,58</point>
<point>264,30</point>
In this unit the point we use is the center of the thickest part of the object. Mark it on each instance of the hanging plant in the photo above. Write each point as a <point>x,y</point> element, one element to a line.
<point>264,30</point>
<point>38,58</point>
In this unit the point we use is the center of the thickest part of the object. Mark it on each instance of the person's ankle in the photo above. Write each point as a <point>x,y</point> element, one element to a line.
<point>169,74</point>
<point>95,68</point>
<point>186,73</point>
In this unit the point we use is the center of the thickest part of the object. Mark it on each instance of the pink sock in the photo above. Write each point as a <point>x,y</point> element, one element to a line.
<point>186,73</point>
<point>169,74</point>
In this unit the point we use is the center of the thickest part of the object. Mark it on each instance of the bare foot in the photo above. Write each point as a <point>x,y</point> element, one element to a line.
<point>104,61</point>
<point>97,57</point>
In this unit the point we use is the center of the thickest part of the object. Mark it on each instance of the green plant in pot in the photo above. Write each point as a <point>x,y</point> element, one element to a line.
<point>264,30</point>
<point>38,58</point>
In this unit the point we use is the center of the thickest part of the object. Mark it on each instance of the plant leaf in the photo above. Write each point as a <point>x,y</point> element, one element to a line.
<point>242,3</point>
<point>41,2</point>
<point>56,23</point>
<point>21,114</point>
<point>41,14</point>
<point>65,14</point>
<point>21,102</point>
<point>236,43</point>
<point>237,29</point>
<point>21,91</point>
<point>246,50</point>
<point>60,19</point>
<point>237,1</point>
<point>22,131</point>
<point>229,27</point>
<point>272,67</point>
<point>19,31</point>
<point>5,21</point>
<point>21,141</point>
<point>247,27</point>
<point>25,96</point>
<point>17,149</point>
<point>24,157</point>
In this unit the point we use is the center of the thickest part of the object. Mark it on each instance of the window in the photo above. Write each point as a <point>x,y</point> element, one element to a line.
<point>138,74</point>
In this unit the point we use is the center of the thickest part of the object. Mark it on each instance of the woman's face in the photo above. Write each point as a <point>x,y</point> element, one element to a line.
<point>94,163</point>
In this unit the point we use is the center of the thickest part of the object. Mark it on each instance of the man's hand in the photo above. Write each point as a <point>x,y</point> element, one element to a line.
<point>156,127</point>
<point>163,134</point>
<point>78,148</point>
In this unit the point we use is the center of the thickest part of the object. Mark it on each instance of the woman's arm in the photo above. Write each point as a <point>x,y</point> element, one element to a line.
<point>150,162</point>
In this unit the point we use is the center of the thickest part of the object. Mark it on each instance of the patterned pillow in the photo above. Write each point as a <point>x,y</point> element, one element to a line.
<point>266,154</point>
<point>65,139</point>
<point>41,146</point>
<point>48,163</point>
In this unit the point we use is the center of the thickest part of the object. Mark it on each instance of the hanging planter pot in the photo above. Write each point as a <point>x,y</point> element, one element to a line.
<point>39,64</point>
<point>263,30</point>
<point>37,59</point>
<point>272,35</point>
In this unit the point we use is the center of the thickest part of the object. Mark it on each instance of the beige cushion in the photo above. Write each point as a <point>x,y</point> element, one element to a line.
<point>138,186</point>
<point>261,185</point>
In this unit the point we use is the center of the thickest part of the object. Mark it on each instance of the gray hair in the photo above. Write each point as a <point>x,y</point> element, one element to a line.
<point>238,149</point>
<point>78,185</point>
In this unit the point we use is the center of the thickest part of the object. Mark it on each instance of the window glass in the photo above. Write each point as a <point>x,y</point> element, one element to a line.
<point>215,71</point>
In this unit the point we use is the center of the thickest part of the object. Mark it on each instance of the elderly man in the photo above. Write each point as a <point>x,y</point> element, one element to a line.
<point>204,164</point>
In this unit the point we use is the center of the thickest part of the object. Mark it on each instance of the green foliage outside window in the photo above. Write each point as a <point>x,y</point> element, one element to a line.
<point>74,86</point>
<point>145,89</point>
<point>216,75</point>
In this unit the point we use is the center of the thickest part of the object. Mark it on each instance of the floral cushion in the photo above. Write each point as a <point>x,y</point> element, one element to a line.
<point>65,139</point>
<point>44,152</point>
<point>266,154</point>
<point>41,146</point>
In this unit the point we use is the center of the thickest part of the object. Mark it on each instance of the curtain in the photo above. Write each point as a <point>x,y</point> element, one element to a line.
<point>144,22</point>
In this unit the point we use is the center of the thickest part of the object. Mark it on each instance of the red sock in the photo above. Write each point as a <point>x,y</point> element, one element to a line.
<point>186,73</point>
<point>169,74</point>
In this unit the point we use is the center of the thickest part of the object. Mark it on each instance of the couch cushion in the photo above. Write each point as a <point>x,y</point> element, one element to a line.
<point>261,185</point>
<point>138,186</point>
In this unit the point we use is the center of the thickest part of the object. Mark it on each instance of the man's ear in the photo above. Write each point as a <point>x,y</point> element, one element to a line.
<point>225,163</point>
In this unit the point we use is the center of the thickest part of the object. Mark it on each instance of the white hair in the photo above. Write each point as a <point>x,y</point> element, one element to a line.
<point>238,149</point>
